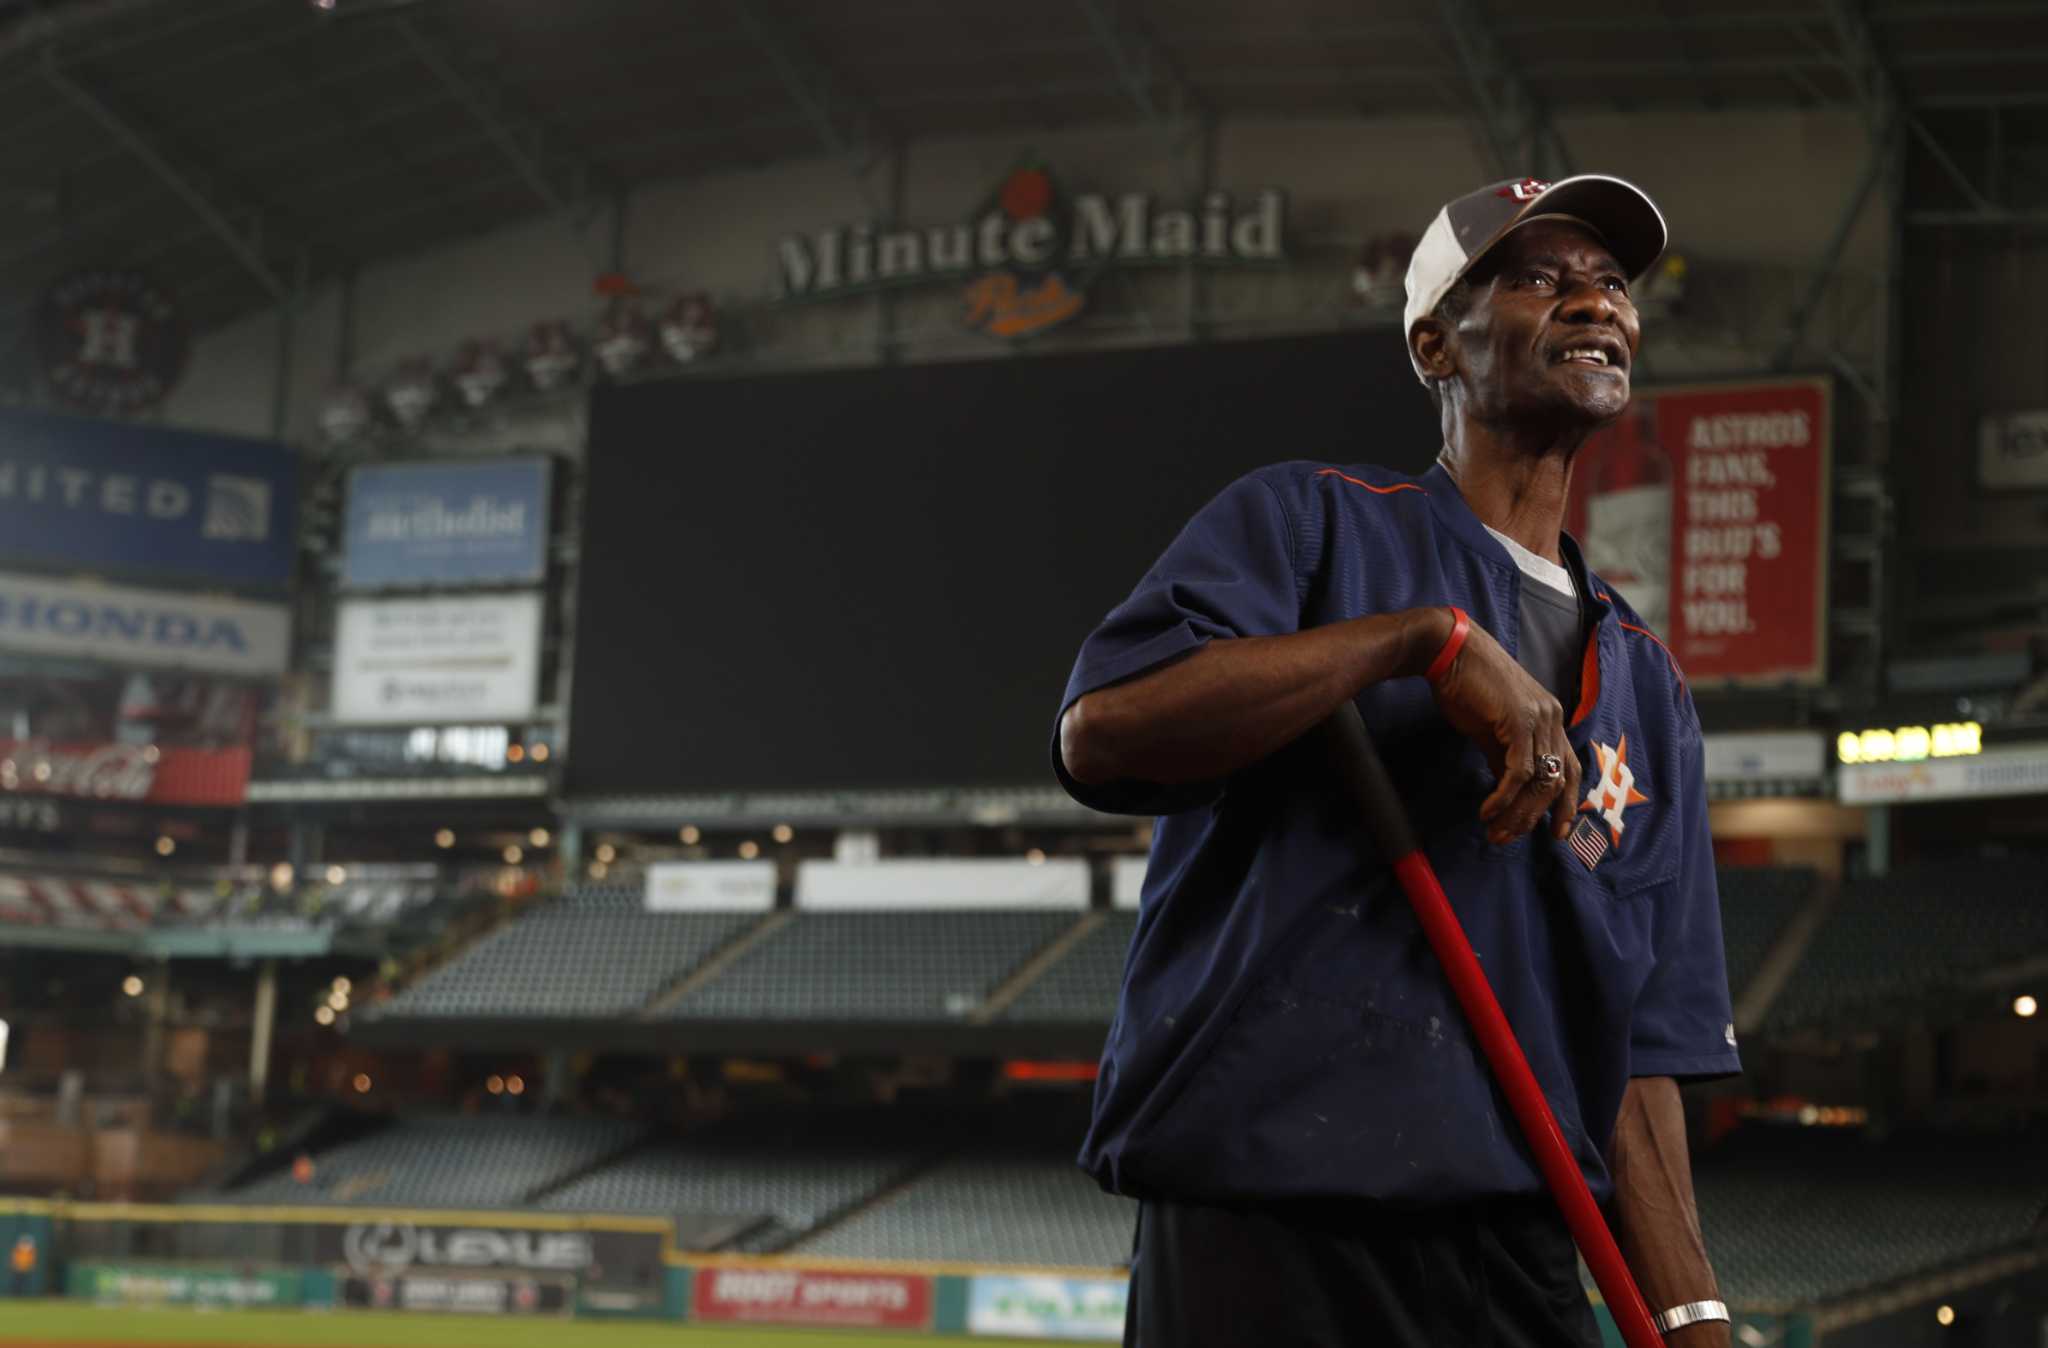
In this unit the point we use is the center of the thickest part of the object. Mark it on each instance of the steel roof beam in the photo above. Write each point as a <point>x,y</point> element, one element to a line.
<point>521,141</point>
<point>844,122</point>
<point>1515,121</point>
<point>246,243</point>
<point>1147,72</point>
<point>1882,103</point>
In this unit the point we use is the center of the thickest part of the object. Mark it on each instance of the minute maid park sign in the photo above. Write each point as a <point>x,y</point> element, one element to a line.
<point>1029,254</point>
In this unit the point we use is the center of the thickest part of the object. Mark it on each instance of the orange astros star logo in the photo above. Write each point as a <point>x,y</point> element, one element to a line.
<point>1615,790</point>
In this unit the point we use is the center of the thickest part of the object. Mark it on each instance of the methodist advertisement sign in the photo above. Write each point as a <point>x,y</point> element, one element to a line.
<point>1023,1307</point>
<point>132,628</point>
<point>1707,507</point>
<point>416,661</point>
<point>462,523</point>
<point>105,495</point>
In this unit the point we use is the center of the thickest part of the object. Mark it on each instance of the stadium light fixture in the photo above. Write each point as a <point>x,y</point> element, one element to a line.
<point>132,986</point>
<point>336,874</point>
<point>1944,1315</point>
<point>515,753</point>
<point>607,853</point>
<point>539,837</point>
<point>339,1001</point>
<point>749,850</point>
<point>323,1014</point>
<point>783,833</point>
<point>515,1085</point>
<point>598,870</point>
<point>2024,1005</point>
<point>1911,743</point>
<point>362,1083</point>
<point>513,855</point>
<point>689,833</point>
<point>1036,856</point>
<point>165,845</point>
<point>281,876</point>
<point>539,753</point>
<point>444,838</point>
<point>495,1084</point>
<point>343,985</point>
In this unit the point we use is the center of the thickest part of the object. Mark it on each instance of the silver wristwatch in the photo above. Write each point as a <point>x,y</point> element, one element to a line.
<point>1691,1313</point>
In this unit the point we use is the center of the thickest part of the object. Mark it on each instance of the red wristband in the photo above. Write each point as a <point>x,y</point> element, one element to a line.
<point>1461,625</point>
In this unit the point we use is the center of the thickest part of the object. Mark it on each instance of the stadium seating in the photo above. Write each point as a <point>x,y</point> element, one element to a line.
<point>48,899</point>
<point>1082,985</point>
<point>775,1190</point>
<point>1756,903</point>
<point>1808,1217</point>
<point>589,953</point>
<point>874,966</point>
<point>1001,1210</point>
<point>476,1162</point>
<point>1891,944</point>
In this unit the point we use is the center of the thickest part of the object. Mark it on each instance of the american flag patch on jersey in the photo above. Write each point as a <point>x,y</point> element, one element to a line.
<point>1588,842</point>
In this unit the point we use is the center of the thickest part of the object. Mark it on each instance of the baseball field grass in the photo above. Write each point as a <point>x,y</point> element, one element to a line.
<point>72,1325</point>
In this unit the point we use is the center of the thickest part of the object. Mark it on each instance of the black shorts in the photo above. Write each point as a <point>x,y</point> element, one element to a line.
<point>1501,1274</point>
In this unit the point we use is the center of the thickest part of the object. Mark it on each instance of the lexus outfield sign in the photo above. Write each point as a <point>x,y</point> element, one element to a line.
<point>377,1247</point>
<point>150,628</point>
<point>158,503</point>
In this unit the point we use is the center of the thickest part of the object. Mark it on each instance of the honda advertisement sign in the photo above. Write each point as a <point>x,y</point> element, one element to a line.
<point>419,661</point>
<point>1707,508</point>
<point>142,499</point>
<point>463,523</point>
<point>133,628</point>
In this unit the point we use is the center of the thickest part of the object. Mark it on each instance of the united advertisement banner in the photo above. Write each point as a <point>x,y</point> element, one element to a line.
<point>792,1296</point>
<point>142,499</point>
<point>1707,507</point>
<point>461,523</point>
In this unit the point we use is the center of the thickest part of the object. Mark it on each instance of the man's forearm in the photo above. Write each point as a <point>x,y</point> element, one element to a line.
<point>1233,702</point>
<point>1655,1221</point>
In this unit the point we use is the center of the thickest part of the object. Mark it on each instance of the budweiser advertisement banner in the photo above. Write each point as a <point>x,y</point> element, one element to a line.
<point>792,1296</point>
<point>1707,507</point>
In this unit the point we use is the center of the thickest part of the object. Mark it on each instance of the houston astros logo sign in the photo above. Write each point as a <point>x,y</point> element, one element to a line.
<point>1611,795</point>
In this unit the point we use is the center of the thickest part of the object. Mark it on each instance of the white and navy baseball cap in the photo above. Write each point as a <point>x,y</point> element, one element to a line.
<point>1621,213</point>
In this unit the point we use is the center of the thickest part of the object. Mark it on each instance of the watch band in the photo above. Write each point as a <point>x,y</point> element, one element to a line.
<point>1691,1313</point>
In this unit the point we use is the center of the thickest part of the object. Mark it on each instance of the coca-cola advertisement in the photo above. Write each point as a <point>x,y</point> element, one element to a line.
<point>147,738</point>
<point>1706,507</point>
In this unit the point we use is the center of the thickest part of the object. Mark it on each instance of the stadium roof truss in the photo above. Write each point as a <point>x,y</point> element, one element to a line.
<point>247,148</point>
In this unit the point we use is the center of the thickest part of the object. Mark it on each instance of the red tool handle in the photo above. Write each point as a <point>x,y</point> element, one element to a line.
<point>1366,780</point>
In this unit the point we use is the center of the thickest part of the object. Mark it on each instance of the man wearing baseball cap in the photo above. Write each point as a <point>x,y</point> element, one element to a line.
<point>1289,1089</point>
